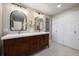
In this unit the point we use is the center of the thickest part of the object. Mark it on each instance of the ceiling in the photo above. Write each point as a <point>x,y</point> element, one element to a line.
<point>49,8</point>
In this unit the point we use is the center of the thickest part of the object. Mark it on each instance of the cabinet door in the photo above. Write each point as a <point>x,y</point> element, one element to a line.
<point>43,41</point>
<point>9,47</point>
<point>25,46</point>
<point>16,47</point>
<point>34,45</point>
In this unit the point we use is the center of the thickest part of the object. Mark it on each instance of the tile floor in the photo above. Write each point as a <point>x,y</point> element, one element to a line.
<point>56,49</point>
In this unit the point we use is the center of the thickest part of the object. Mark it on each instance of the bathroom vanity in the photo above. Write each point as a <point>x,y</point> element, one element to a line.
<point>24,44</point>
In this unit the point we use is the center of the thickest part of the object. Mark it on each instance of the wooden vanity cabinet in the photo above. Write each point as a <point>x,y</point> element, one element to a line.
<point>16,47</point>
<point>25,45</point>
<point>44,41</point>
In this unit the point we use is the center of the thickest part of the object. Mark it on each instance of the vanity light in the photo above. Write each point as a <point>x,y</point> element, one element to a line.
<point>58,6</point>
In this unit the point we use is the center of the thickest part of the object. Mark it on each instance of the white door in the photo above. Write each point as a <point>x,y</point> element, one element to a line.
<point>73,37</point>
<point>57,33</point>
<point>60,35</point>
<point>75,40</point>
<point>54,33</point>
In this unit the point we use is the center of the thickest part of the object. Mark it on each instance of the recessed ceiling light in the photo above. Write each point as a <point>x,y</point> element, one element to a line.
<point>58,6</point>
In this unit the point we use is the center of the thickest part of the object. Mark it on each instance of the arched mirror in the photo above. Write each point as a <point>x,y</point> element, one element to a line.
<point>39,24</point>
<point>18,21</point>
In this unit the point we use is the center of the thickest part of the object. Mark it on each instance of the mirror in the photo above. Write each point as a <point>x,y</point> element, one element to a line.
<point>18,21</point>
<point>39,24</point>
<point>47,25</point>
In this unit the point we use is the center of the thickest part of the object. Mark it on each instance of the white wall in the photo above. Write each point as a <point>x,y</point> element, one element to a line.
<point>64,26</point>
<point>8,8</point>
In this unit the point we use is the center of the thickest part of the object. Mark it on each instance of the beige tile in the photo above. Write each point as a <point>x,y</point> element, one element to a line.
<point>56,49</point>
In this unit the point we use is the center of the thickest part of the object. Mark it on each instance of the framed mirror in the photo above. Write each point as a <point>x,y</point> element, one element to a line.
<point>18,21</point>
<point>47,24</point>
<point>39,24</point>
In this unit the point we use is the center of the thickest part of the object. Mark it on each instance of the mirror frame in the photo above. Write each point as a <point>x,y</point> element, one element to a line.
<point>11,22</point>
<point>36,26</point>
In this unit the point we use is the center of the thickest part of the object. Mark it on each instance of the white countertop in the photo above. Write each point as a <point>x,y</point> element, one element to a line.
<point>10,36</point>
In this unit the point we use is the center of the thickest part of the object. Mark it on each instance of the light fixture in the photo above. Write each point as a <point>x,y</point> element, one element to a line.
<point>58,6</point>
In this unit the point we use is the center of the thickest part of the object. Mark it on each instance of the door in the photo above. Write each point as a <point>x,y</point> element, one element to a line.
<point>72,40</point>
<point>57,33</point>
<point>54,32</point>
<point>60,35</point>
<point>75,40</point>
